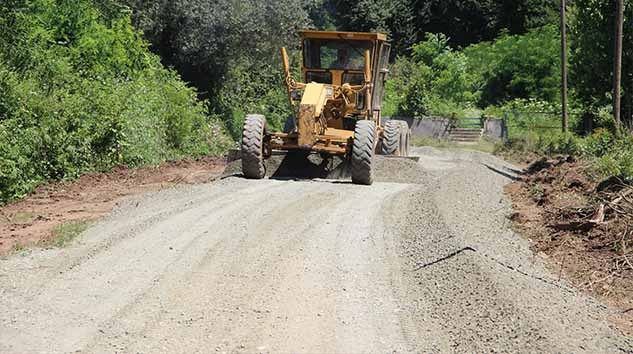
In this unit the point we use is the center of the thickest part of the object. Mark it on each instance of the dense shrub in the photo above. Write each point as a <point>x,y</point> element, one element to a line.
<point>436,80</point>
<point>519,66</point>
<point>609,155</point>
<point>80,91</point>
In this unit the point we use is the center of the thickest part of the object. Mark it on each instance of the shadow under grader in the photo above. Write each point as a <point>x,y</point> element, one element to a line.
<point>303,165</point>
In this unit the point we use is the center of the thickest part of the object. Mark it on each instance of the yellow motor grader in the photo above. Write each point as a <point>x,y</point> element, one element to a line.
<point>337,106</point>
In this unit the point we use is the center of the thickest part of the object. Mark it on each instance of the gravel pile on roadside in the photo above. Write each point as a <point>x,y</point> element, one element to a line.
<point>478,287</point>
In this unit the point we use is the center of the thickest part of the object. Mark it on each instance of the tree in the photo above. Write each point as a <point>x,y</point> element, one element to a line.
<point>203,40</point>
<point>617,69</point>
<point>395,18</point>
<point>464,21</point>
<point>592,59</point>
<point>228,49</point>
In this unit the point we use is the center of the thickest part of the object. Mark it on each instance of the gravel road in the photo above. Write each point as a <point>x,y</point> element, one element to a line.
<point>284,266</point>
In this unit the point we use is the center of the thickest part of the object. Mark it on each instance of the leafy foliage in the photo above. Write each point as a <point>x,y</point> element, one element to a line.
<point>436,80</point>
<point>592,50</point>
<point>520,66</point>
<point>229,50</point>
<point>80,91</point>
<point>463,22</point>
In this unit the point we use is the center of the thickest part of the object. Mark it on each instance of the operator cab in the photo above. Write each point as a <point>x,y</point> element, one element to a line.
<point>337,58</point>
<point>331,61</point>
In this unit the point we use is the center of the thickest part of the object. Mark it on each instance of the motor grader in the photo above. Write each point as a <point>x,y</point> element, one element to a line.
<point>337,106</point>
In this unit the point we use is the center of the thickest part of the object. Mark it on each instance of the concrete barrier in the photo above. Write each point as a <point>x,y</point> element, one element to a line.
<point>430,127</point>
<point>439,127</point>
<point>495,128</point>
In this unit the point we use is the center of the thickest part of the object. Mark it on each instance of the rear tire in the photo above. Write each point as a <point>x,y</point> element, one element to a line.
<point>253,147</point>
<point>391,138</point>
<point>363,152</point>
<point>405,138</point>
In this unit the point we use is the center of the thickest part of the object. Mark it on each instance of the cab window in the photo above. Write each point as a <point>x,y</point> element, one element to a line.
<point>340,54</point>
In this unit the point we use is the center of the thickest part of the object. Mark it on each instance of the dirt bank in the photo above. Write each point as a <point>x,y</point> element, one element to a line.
<point>583,224</point>
<point>34,219</point>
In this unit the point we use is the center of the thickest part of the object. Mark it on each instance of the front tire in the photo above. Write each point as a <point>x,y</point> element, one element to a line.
<point>253,147</point>
<point>363,152</point>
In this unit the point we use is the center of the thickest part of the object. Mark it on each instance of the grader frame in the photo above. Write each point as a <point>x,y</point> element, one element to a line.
<point>337,106</point>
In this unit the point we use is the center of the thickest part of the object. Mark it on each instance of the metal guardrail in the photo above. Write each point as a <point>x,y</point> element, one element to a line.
<point>537,121</point>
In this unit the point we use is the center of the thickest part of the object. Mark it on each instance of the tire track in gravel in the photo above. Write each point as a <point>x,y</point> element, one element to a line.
<point>283,293</point>
<point>72,304</point>
<point>270,266</point>
<point>263,264</point>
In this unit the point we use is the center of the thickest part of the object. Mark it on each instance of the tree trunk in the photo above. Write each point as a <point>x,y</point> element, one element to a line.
<point>563,56</point>
<point>628,102</point>
<point>617,70</point>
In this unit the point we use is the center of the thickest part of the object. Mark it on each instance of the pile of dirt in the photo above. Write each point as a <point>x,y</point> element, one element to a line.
<point>31,220</point>
<point>583,224</point>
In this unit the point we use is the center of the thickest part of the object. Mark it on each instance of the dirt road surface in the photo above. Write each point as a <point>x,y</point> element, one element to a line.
<point>286,266</point>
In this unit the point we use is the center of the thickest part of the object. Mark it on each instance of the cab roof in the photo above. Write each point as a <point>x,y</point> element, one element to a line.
<point>342,35</point>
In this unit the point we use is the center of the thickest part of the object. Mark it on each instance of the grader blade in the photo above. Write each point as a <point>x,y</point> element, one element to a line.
<point>412,158</point>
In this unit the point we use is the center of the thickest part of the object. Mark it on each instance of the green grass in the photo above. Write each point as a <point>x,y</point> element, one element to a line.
<point>18,248</point>
<point>23,218</point>
<point>65,233</point>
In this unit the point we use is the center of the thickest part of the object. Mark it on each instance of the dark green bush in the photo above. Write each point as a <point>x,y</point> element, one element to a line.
<point>81,92</point>
<point>437,80</point>
<point>519,66</point>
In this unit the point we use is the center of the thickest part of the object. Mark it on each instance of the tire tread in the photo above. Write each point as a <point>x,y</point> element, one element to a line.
<point>253,147</point>
<point>363,152</point>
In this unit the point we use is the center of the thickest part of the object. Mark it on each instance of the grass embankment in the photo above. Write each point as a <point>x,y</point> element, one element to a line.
<point>605,154</point>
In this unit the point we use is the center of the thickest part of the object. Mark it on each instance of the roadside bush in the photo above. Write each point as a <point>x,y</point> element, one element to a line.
<point>620,165</point>
<point>613,156</point>
<point>519,66</point>
<point>254,88</point>
<point>80,91</point>
<point>435,80</point>
<point>610,156</point>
